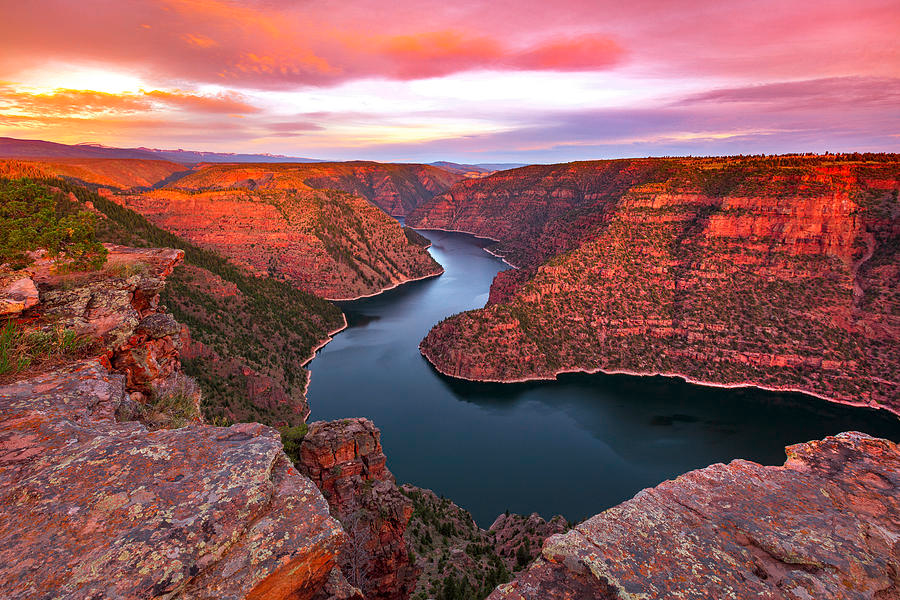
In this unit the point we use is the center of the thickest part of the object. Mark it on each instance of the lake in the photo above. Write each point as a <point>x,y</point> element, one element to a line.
<point>573,447</point>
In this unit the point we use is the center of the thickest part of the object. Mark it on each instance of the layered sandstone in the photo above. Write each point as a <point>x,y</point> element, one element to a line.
<point>781,273</point>
<point>395,188</point>
<point>94,507</point>
<point>345,460</point>
<point>824,525</point>
<point>333,244</point>
<point>113,313</point>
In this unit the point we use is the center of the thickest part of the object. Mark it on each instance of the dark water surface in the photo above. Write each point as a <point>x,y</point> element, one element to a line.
<point>573,447</point>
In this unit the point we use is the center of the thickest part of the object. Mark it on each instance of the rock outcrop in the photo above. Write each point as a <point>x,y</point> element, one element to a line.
<point>116,310</point>
<point>93,507</point>
<point>329,243</point>
<point>824,525</point>
<point>345,460</point>
<point>17,293</point>
<point>776,272</point>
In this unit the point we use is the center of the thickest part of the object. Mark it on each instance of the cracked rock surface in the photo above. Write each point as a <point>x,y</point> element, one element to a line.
<point>824,525</point>
<point>95,508</point>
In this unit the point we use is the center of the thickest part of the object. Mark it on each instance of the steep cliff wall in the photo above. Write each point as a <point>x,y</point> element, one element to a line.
<point>332,244</point>
<point>725,271</point>
<point>345,460</point>
<point>824,525</point>
<point>458,559</point>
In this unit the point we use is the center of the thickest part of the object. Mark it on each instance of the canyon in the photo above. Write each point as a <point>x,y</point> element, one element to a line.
<point>775,272</point>
<point>621,265</point>
<point>331,244</point>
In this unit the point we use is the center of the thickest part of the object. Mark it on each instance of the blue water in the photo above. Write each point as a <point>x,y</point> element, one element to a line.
<point>573,447</point>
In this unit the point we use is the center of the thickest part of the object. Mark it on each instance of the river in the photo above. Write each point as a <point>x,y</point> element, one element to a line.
<point>573,447</point>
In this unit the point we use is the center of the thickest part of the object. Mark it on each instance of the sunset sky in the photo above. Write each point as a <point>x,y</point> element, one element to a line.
<point>514,81</point>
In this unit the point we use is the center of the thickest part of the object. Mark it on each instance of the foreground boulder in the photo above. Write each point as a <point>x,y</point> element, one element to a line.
<point>824,525</point>
<point>345,460</point>
<point>96,508</point>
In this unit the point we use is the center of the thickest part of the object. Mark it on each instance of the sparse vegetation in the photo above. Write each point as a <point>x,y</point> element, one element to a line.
<point>23,348</point>
<point>172,404</point>
<point>291,438</point>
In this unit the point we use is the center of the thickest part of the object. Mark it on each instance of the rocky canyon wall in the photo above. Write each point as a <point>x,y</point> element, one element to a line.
<point>781,273</point>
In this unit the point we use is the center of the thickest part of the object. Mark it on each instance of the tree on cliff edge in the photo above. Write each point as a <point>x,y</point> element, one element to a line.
<point>30,219</point>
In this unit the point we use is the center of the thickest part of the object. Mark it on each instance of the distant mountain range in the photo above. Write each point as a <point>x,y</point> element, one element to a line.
<point>15,148</point>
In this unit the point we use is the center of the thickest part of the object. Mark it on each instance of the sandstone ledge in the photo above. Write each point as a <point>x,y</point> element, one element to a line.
<point>92,507</point>
<point>824,525</point>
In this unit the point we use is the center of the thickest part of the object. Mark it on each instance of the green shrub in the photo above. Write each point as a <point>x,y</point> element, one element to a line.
<point>291,438</point>
<point>29,221</point>
<point>21,348</point>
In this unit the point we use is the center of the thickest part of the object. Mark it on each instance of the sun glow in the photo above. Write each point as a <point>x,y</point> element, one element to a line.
<point>81,78</point>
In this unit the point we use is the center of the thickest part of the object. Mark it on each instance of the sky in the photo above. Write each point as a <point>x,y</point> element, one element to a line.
<point>468,81</point>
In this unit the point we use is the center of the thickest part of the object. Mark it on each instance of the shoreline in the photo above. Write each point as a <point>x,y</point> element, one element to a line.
<point>391,287</point>
<point>685,378</point>
<point>329,336</point>
<point>483,237</point>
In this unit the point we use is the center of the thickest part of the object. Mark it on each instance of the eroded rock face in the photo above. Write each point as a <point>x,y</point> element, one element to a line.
<point>824,525</point>
<point>517,538</point>
<point>345,460</point>
<point>117,311</point>
<point>781,273</point>
<point>107,305</point>
<point>94,508</point>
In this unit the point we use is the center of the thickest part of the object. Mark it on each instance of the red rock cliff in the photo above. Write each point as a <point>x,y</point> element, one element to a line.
<point>781,273</point>
<point>93,507</point>
<point>344,459</point>
<point>333,244</point>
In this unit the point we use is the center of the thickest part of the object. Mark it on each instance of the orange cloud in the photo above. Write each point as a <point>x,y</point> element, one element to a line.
<point>222,103</point>
<point>584,53</point>
<point>201,41</point>
<point>70,103</point>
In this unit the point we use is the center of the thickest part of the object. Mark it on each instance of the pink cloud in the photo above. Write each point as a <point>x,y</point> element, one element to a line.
<point>285,44</point>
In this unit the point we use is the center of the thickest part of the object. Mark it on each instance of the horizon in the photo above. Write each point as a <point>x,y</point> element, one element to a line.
<point>468,83</point>
<point>435,162</point>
